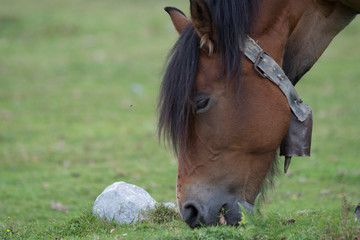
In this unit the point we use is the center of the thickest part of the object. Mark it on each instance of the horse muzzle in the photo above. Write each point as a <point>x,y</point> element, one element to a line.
<point>213,210</point>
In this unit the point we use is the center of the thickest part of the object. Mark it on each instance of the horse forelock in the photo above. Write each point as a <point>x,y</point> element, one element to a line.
<point>176,89</point>
<point>233,19</point>
<point>233,24</point>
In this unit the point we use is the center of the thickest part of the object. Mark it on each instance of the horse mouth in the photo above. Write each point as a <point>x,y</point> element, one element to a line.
<point>196,214</point>
<point>234,214</point>
<point>222,219</point>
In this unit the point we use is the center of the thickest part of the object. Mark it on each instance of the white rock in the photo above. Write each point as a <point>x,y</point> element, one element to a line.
<point>123,202</point>
<point>170,205</point>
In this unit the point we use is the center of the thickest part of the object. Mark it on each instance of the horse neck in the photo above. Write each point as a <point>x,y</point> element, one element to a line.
<point>296,33</point>
<point>274,23</point>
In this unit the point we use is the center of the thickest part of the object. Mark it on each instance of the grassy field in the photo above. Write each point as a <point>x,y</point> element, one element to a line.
<point>78,91</point>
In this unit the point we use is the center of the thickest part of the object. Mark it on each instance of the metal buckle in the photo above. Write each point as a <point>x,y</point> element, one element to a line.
<point>259,58</point>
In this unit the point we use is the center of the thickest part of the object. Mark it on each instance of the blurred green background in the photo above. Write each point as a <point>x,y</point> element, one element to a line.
<point>78,92</point>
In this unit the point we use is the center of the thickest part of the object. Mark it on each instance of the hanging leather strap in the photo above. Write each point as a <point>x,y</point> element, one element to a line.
<point>266,66</point>
<point>297,141</point>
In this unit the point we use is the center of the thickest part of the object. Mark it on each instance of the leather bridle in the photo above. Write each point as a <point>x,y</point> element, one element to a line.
<point>297,142</point>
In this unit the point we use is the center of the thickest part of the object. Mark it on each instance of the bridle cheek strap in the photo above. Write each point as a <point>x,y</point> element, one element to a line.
<point>297,141</point>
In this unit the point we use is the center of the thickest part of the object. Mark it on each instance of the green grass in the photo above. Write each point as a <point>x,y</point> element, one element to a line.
<point>164,223</point>
<point>78,91</point>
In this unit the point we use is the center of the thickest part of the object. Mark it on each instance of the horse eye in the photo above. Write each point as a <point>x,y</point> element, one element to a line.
<point>201,104</point>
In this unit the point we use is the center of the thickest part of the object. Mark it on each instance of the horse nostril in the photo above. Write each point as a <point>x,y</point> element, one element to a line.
<point>192,213</point>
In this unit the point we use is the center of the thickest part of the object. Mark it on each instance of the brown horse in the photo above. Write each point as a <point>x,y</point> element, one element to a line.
<point>223,118</point>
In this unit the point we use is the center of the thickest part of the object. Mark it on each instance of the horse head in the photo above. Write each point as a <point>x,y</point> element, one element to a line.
<point>224,120</point>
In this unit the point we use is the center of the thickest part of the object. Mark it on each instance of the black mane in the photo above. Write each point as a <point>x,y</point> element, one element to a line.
<point>176,88</point>
<point>233,24</point>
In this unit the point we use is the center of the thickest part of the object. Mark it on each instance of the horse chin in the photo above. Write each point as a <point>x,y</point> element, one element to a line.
<point>234,214</point>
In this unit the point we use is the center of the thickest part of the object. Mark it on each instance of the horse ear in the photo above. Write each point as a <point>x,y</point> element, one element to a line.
<point>204,24</point>
<point>178,18</point>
